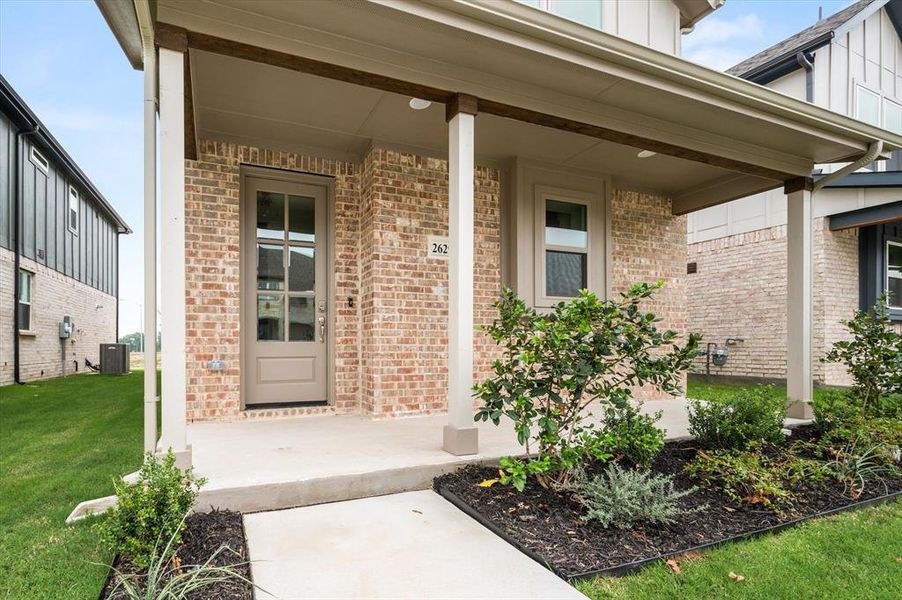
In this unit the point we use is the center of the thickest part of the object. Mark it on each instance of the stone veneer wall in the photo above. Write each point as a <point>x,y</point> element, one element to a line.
<point>54,295</point>
<point>391,346</point>
<point>740,291</point>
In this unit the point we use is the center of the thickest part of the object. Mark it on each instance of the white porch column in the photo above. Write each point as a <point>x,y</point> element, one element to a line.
<point>460,434</point>
<point>150,249</point>
<point>799,386</point>
<point>172,240</point>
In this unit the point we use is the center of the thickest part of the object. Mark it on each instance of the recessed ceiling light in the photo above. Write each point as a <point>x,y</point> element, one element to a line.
<point>419,103</point>
<point>646,153</point>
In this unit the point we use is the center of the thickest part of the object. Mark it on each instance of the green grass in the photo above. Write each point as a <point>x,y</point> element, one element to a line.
<point>713,390</point>
<point>853,555</point>
<point>62,441</point>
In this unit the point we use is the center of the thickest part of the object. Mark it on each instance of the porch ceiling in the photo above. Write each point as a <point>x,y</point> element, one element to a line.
<point>521,63</point>
<point>245,102</point>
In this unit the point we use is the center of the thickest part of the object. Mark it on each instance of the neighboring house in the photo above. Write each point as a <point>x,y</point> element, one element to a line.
<point>346,187</point>
<point>59,245</point>
<point>850,63</point>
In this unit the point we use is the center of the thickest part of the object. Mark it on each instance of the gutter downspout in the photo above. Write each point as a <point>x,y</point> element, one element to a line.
<point>806,61</point>
<point>874,150</point>
<point>19,172</point>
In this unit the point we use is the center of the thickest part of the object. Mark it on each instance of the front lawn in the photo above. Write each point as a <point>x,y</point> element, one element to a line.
<point>853,555</point>
<point>718,388</point>
<point>62,442</point>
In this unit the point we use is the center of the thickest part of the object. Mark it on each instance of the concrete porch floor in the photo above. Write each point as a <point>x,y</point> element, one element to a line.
<point>268,465</point>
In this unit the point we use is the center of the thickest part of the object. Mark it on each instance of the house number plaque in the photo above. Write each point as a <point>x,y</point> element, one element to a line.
<point>437,247</point>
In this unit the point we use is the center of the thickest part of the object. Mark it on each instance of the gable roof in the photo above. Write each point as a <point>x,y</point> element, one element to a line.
<point>24,118</point>
<point>780,59</point>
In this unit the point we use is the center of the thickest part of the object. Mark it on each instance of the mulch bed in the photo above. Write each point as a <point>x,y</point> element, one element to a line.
<point>205,534</point>
<point>547,525</point>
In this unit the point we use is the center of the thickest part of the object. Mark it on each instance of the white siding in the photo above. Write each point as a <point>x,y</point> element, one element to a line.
<point>870,53</point>
<point>651,23</point>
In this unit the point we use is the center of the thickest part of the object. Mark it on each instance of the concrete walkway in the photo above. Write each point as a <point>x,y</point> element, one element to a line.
<point>409,545</point>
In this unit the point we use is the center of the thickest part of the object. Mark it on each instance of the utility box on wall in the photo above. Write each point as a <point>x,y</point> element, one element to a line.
<point>114,359</point>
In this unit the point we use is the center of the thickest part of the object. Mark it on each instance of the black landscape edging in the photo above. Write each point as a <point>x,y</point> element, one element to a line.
<point>108,578</point>
<point>626,568</point>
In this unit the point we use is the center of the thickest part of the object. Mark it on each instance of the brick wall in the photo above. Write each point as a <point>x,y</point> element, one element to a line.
<point>647,245</point>
<point>54,295</point>
<point>392,344</point>
<point>740,291</point>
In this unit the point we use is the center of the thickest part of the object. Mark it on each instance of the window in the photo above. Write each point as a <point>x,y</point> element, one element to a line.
<point>894,273</point>
<point>587,12</point>
<point>892,116</point>
<point>563,244</point>
<point>867,106</point>
<point>26,279</point>
<point>39,161</point>
<point>72,211</point>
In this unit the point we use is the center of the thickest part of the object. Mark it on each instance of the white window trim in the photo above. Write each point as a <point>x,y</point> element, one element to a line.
<point>543,193</point>
<point>39,160</point>
<point>70,208</point>
<point>886,276</point>
<point>30,329</point>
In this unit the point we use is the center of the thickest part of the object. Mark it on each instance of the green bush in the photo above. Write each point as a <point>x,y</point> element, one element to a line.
<point>733,422</point>
<point>632,436</point>
<point>151,512</point>
<point>763,474</point>
<point>834,408</point>
<point>554,366</point>
<point>873,356</point>
<point>621,497</point>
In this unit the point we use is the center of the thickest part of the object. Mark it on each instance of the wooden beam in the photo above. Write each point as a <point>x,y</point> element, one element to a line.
<point>234,49</point>
<point>797,184</point>
<point>190,128</point>
<point>461,103</point>
<point>171,37</point>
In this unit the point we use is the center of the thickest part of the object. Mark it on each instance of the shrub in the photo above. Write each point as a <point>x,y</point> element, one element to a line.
<point>152,510</point>
<point>632,436</point>
<point>555,365</point>
<point>856,466</point>
<point>882,435</point>
<point>621,497</point>
<point>835,408</point>
<point>733,422</point>
<point>169,580</point>
<point>873,356</point>
<point>763,474</point>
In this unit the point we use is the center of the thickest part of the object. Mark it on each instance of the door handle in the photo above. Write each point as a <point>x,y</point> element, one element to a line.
<point>322,329</point>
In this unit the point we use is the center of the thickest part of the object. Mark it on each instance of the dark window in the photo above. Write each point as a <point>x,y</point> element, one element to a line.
<point>26,281</point>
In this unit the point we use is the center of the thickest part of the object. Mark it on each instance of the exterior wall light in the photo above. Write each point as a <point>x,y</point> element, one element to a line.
<point>419,103</point>
<point>646,154</point>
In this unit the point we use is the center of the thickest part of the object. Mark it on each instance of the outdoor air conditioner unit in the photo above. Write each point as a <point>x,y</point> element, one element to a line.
<point>114,359</point>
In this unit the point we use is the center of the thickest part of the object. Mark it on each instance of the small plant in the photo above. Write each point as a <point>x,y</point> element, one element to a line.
<point>834,409</point>
<point>873,356</point>
<point>621,497</point>
<point>554,366</point>
<point>734,422</point>
<point>166,579</point>
<point>763,474</point>
<point>855,467</point>
<point>632,437</point>
<point>151,510</point>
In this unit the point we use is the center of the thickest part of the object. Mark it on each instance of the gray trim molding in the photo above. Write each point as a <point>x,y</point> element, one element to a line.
<point>864,217</point>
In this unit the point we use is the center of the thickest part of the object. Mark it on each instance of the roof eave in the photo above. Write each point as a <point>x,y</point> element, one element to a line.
<point>123,22</point>
<point>693,11</point>
<point>785,63</point>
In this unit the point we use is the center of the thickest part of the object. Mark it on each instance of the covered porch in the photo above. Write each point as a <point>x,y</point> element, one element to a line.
<point>521,100</point>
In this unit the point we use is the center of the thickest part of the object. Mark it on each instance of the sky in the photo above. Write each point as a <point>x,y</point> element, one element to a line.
<point>64,62</point>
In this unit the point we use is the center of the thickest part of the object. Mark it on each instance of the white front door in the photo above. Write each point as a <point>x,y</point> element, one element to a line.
<point>285,283</point>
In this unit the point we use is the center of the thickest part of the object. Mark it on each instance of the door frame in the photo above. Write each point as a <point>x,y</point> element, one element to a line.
<point>328,183</point>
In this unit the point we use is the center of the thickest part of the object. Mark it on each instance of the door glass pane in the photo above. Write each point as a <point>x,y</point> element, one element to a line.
<point>270,267</point>
<point>894,274</point>
<point>271,317</point>
<point>301,218</point>
<point>565,224</point>
<point>565,273</point>
<point>301,319</point>
<point>301,269</point>
<point>270,215</point>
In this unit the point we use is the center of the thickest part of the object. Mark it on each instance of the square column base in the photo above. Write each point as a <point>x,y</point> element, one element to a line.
<point>182,457</point>
<point>460,441</point>
<point>799,409</point>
